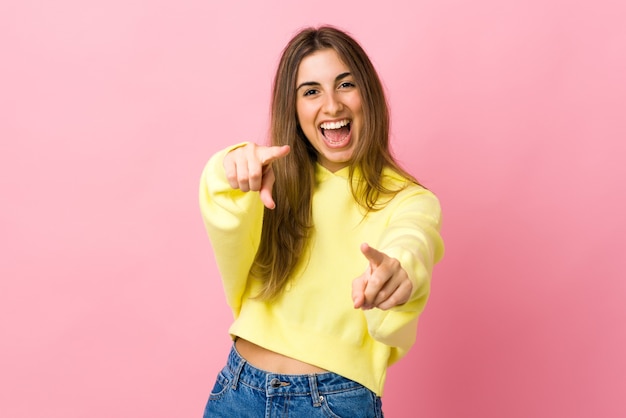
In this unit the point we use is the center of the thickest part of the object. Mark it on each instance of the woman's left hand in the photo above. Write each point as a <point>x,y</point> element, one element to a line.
<point>384,284</point>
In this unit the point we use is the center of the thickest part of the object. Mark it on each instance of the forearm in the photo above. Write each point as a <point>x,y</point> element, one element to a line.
<point>233,220</point>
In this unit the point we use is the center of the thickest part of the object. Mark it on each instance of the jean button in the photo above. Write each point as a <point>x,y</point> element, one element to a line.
<point>275,383</point>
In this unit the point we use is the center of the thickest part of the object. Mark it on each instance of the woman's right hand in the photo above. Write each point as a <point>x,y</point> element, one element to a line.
<point>249,168</point>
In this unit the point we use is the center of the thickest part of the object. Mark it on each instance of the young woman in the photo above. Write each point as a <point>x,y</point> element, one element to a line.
<point>324,243</point>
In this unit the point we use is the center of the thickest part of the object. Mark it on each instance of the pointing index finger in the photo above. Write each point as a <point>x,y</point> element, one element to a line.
<point>272,153</point>
<point>374,256</point>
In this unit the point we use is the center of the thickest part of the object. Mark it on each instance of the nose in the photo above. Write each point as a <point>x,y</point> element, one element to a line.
<point>332,104</point>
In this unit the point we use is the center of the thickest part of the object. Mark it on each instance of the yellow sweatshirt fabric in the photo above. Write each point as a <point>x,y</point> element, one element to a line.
<point>314,320</point>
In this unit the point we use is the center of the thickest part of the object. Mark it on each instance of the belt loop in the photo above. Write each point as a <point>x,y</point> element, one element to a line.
<point>237,371</point>
<point>315,395</point>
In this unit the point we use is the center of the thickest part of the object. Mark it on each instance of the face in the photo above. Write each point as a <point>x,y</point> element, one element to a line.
<point>328,104</point>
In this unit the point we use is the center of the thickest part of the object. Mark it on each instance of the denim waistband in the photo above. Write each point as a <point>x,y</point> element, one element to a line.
<point>275,384</point>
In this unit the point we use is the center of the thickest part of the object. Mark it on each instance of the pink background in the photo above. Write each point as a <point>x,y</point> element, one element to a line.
<point>513,112</point>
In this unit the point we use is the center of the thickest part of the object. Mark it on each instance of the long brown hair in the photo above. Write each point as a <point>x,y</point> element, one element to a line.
<point>286,228</point>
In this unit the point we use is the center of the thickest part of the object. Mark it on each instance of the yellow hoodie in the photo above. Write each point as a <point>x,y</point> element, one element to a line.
<point>314,320</point>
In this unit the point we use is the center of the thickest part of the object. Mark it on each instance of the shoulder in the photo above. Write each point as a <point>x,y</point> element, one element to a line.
<point>410,193</point>
<point>395,181</point>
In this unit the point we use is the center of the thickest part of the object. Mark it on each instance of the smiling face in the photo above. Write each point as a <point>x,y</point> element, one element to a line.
<point>328,104</point>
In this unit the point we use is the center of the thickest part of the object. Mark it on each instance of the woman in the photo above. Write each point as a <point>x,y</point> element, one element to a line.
<point>319,313</point>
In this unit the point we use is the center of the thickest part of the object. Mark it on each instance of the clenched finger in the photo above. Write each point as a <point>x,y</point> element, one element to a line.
<point>391,298</point>
<point>379,278</point>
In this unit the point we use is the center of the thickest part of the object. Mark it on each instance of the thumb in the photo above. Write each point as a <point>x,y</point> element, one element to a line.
<point>267,184</point>
<point>358,291</point>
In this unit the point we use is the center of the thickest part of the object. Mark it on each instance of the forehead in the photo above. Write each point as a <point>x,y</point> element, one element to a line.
<point>322,65</point>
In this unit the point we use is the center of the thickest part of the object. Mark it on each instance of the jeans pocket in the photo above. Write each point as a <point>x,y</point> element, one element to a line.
<point>221,386</point>
<point>358,402</point>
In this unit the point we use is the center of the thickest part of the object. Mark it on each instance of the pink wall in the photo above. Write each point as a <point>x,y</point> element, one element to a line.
<point>511,111</point>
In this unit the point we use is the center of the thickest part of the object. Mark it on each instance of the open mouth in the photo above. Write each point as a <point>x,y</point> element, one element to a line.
<point>336,133</point>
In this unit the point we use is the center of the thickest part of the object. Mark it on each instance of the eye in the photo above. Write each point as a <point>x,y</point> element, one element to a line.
<point>346,85</point>
<point>309,92</point>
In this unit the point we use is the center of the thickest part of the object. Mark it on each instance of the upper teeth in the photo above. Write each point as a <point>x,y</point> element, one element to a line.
<point>334,125</point>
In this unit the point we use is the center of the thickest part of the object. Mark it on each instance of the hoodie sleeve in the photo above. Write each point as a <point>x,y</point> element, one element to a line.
<point>412,237</point>
<point>233,221</point>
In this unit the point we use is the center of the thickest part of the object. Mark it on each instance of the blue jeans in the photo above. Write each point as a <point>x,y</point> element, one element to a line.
<point>243,391</point>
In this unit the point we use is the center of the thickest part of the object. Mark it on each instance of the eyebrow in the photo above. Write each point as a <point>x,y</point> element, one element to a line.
<point>315,83</point>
